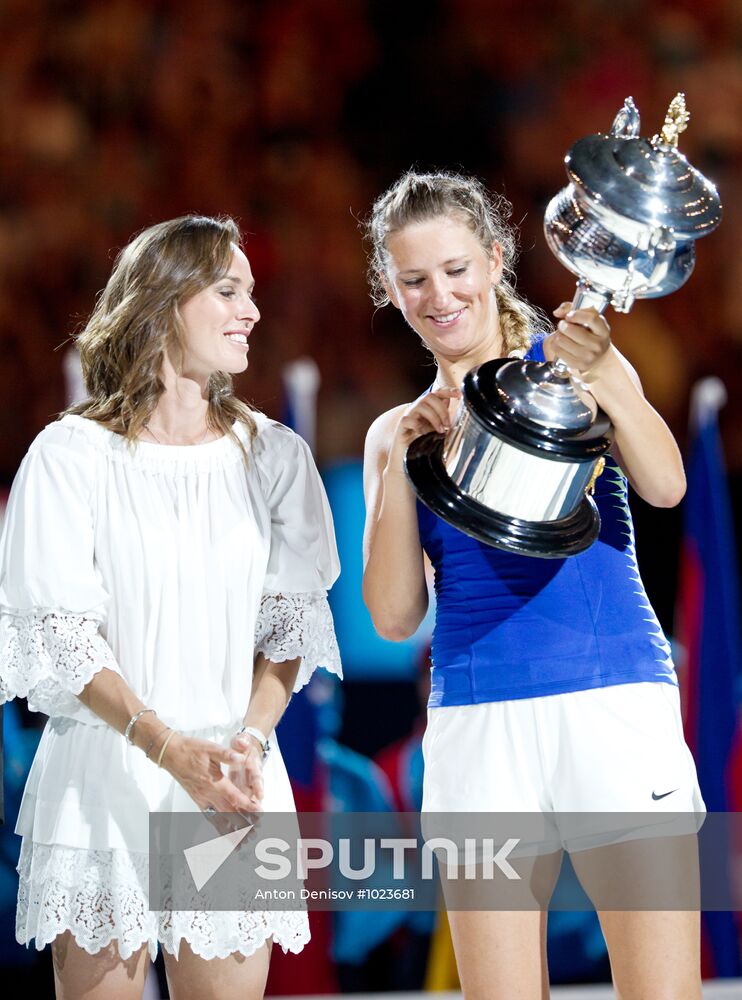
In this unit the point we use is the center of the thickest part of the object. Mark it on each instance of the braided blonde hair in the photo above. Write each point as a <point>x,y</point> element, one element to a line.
<point>417,197</point>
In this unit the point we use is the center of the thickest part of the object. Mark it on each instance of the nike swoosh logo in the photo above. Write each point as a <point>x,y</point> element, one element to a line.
<point>664,795</point>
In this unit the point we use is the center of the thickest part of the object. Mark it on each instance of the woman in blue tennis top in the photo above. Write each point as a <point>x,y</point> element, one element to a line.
<point>553,689</point>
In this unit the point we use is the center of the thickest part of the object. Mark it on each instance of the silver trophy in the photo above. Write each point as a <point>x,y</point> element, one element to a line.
<point>517,468</point>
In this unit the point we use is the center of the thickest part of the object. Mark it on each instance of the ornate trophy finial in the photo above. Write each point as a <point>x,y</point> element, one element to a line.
<point>676,121</point>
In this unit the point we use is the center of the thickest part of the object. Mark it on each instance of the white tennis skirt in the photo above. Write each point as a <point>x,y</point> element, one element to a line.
<point>84,861</point>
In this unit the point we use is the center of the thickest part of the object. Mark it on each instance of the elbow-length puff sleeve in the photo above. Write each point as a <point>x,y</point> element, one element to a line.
<point>52,601</point>
<point>295,618</point>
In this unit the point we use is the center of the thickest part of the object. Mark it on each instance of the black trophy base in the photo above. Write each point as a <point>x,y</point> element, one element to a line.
<point>544,539</point>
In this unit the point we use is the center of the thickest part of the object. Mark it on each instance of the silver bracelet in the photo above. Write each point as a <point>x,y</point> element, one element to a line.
<point>265,744</point>
<point>133,721</point>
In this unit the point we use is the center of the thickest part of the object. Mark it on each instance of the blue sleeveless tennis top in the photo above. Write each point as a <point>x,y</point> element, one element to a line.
<point>511,626</point>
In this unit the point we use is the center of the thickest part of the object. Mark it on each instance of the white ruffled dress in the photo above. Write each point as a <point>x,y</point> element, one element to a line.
<point>172,566</point>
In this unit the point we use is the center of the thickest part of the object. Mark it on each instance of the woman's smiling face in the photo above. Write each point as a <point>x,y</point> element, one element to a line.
<point>217,322</point>
<point>442,280</point>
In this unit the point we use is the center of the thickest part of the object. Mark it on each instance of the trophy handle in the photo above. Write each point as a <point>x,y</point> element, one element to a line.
<point>626,124</point>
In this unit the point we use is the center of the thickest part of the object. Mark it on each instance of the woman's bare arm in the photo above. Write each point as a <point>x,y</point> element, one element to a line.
<point>394,586</point>
<point>644,445</point>
<point>195,764</point>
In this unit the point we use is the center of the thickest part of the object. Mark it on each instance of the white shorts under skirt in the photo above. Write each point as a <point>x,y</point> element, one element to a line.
<point>616,749</point>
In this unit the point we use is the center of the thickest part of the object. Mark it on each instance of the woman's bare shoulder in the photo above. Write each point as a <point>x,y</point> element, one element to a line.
<point>380,433</point>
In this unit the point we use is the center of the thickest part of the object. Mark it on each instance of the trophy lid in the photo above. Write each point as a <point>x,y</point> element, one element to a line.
<point>539,426</point>
<point>646,180</point>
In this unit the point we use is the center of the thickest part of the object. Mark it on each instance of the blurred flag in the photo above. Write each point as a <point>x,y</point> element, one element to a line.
<point>298,731</point>
<point>301,381</point>
<point>708,627</point>
<point>298,734</point>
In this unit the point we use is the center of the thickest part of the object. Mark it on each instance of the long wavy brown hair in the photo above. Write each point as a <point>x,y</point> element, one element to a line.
<point>136,321</point>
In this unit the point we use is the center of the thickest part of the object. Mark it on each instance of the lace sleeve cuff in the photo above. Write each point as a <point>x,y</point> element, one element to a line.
<point>48,658</point>
<point>298,625</point>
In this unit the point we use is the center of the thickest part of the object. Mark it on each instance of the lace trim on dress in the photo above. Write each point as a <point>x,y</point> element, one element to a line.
<point>298,625</point>
<point>48,658</point>
<point>102,896</point>
<point>219,933</point>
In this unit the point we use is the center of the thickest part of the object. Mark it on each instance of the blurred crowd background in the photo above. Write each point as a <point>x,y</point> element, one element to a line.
<point>292,115</point>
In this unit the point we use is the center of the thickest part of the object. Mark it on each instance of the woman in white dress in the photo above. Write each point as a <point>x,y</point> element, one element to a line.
<point>163,574</point>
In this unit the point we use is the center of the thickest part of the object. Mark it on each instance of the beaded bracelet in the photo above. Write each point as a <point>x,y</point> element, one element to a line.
<point>133,721</point>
